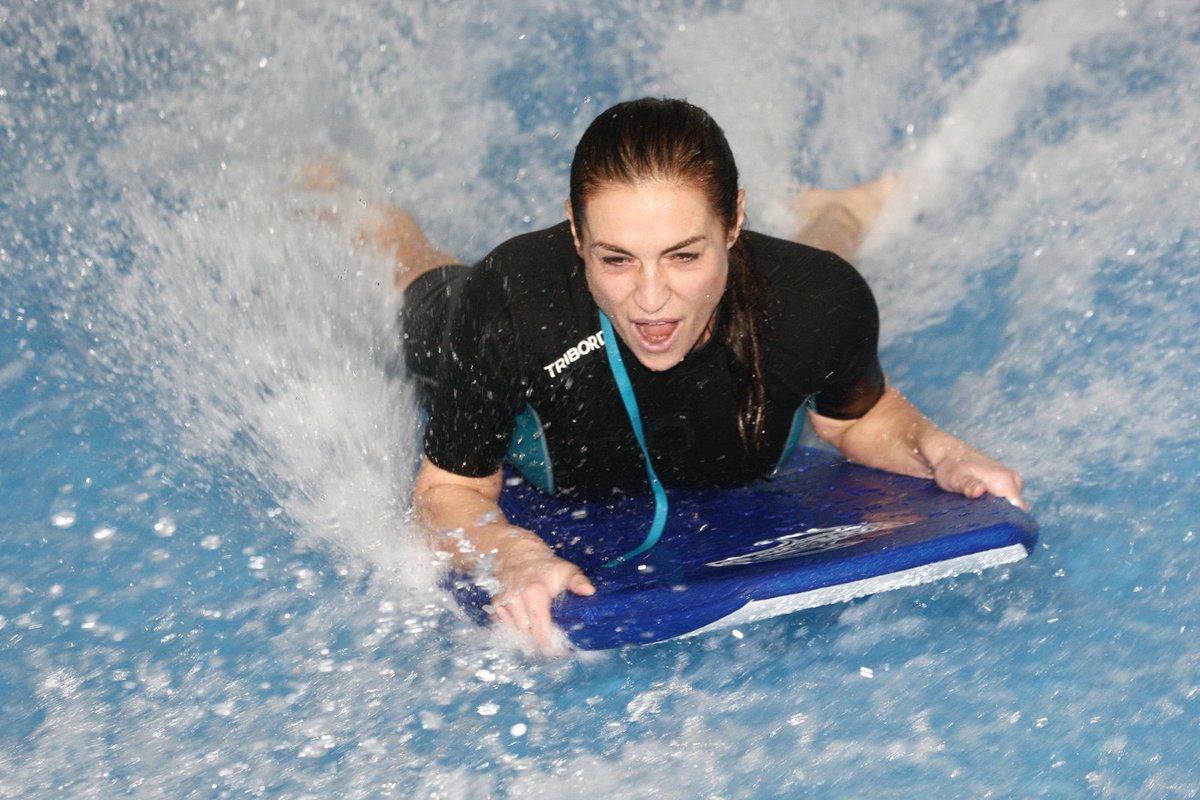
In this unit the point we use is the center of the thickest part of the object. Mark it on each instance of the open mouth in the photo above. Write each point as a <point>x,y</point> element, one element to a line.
<point>656,336</point>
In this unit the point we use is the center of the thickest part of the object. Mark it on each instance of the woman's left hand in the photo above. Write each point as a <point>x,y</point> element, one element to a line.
<point>896,437</point>
<point>968,472</point>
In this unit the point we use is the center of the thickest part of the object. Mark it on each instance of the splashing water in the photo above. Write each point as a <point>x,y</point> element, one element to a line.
<point>208,582</point>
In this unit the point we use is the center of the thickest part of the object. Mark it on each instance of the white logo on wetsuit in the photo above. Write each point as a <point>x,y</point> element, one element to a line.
<point>573,354</point>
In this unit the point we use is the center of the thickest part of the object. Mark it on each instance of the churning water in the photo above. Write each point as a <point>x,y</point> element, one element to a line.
<point>208,584</point>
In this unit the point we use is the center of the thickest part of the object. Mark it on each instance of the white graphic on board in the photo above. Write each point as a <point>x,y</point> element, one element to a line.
<point>811,541</point>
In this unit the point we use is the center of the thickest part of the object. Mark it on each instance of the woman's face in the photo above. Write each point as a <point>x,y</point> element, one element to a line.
<point>657,260</point>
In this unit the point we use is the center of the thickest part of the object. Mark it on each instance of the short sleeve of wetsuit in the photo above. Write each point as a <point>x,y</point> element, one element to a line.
<point>476,394</point>
<point>827,335</point>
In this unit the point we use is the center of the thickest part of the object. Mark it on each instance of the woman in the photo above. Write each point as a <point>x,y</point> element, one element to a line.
<point>730,340</point>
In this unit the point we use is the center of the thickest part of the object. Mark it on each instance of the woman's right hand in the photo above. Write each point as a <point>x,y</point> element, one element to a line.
<point>530,578</point>
<point>465,521</point>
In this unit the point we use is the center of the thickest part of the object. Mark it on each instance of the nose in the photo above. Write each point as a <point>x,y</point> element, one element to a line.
<point>653,289</point>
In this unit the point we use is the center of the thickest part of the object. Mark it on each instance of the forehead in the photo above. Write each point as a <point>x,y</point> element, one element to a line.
<point>640,209</point>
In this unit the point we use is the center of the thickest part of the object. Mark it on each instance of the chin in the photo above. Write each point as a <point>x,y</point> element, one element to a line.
<point>659,362</point>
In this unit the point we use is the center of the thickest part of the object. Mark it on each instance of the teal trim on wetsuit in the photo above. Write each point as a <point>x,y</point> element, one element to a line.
<point>617,365</point>
<point>527,450</point>
<point>794,434</point>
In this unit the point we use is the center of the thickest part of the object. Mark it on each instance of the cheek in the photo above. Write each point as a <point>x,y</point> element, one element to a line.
<point>714,285</point>
<point>605,290</point>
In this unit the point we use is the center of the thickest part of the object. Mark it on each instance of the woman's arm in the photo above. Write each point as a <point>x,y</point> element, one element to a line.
<point>896,437</point>
<point>464,519</point>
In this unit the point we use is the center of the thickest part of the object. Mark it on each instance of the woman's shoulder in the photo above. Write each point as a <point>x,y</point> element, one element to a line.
<point>549,251</point>
<point>783,258</point>
<point>532,286</point>
<point>787,267</point>
<point>537,263</point>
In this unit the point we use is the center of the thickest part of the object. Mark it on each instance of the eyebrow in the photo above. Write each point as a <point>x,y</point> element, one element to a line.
<point>679,246</point>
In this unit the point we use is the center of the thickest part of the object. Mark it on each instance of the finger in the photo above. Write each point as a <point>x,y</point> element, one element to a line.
<point>974,488</point>
<point>1013,496</point>
<point>541,625</point>
<point>504,614</point>
<point>579,584</point>
<point>513,615</point>
<point>1009,487</point>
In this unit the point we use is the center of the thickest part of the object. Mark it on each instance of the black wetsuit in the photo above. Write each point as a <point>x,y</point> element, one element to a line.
<point>514,343</point>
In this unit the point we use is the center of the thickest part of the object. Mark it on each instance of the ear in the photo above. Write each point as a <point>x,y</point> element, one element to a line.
<point>736,231</point>
<point>574,229</point>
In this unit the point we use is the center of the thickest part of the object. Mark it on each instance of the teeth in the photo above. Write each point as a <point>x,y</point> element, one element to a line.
<point>655,332</point>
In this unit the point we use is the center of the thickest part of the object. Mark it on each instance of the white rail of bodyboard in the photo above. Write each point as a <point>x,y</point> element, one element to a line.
<point>840,593</point>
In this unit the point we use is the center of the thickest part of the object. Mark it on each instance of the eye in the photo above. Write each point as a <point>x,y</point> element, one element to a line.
<point>685,257</point>
<point>616,261</point>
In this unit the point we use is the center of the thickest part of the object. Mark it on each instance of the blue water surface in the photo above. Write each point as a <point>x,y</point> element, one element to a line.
<point>209,584</point>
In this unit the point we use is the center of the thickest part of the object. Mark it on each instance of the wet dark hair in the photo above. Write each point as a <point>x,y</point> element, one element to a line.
<point>673,140</point>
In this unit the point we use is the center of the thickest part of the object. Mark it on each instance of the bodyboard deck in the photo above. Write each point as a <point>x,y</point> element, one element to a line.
<point>821,531</point>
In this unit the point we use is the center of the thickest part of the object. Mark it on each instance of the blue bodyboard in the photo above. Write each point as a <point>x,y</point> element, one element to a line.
<point>820,531</point>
